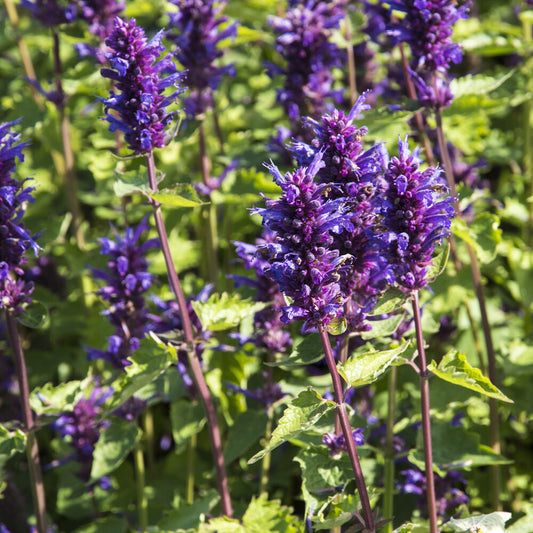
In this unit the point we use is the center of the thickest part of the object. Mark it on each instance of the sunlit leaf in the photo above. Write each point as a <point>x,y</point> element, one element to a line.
<point>486,523</point>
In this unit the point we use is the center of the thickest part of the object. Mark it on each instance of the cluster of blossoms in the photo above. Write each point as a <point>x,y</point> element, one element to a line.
<point>337,443</point>
<point>128,280</point>
<point>142,80</point>
<point>427,29</point>
<point>16,240</point>
<point>349,223</point>
<point>198,24</point>
<point>304,43</point>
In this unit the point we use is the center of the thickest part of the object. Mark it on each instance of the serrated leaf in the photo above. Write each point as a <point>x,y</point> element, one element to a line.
<point>131,182</point>
<point>337,326</point>
<point>382,328</point>
<point>365,368</point>
<point>393,299</point>
<point>180,195</point>
<point>113,446</point>
<point>306,350</point>
<point>455,369</point>
<point>50,399</point>
<point>11,442</point>
<point>187,419</point>
<point>483,234</point>
<point>264,516</point>
<point>486,523</point>
<point>476,85</point>
<point>301,414</point>
<point>224,311</point>
<point>438,263</point>
<point>222,525</point>
<point>34,316</point>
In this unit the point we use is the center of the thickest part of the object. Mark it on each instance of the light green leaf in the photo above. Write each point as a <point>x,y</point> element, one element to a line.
<point>405,528</point>
<point>113,446</point>
<point>263,516</point>
<point>222,525</point>
<point>438,263</point>
<point>224,311</point>
<point>34,316</point>
<point>131,182</point>
<point>50,399</point>
<point>187,420</point>
<point>486,523</point>
<point>180,195</point>
<point>393,299</point>
<point>476,85</point>
<point>382,328</point>
<point>306,350</point>
<point>301,414</point>
<point>11,442</point>
<point>483,234</point>
<point>365,368</point>
<point>526,522</point>
<point>109,524</point>
<point>337,326</point>
<point>455,369</point>
<point>188,516</point>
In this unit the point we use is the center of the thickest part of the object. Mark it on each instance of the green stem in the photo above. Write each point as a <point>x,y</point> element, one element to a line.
<point>388,497</point>
<point>194,362</point>
<point>148,425</point>
<point>265,464</point>
<point>426,419</point>
<point>190,468</point>
<point>140,481</point>
<point>32,447</point>
<point>352,80</point>
<point>347,431</point>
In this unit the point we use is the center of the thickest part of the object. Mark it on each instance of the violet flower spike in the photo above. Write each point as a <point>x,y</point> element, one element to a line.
<point>301,258</point>
<point>200,28</point>
<point>417,215</point>
<point>16,239</point>
<point>128,280</point>
<point>51,12</point>
<point>140,108</point>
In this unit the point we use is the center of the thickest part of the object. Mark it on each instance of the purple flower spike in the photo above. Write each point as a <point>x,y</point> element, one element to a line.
<point>51,12</point>
<point>140,108</point>
<point>198,35</point>
<point>100,15</point>
<point>15,239</point>
<point>127,280</point>
<point>302,260</point>
<point>417,214</point>
<point>337,444</point>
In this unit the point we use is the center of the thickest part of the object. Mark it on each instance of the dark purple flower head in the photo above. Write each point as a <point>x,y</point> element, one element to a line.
<point>433,92</point>
<point>200,29</point>
<point>128,280</point>
<point>82,427</point>
<point>269,394</point>
<point>140,108</point>
<point>15,239</point>
<point>51,12</point>
<point>301,257</point>
<point>417,215</point>
<point>427,28</point>
<point>304,43</point>
<point>337,443</point>
<point>100,15</point>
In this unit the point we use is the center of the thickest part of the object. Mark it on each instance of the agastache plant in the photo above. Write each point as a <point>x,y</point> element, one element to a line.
<point>140,112</point>
<point>16,241</point>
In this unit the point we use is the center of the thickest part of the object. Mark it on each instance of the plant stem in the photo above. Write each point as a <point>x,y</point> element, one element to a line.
<point>148,427</point>
<point>198,376</point>
<point>190,468</point>
<point>347,431</point>
<point>208,216</point>
<point>265,464</point>
<point>426,420</point>
<point>388,498</point>
<point>69,175</point>
<point>352,80</point>
<point>485,324</point>
<point>140,481</point>
<point>32,447</point>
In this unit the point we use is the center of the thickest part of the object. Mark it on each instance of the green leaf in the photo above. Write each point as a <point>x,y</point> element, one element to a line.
<point>476,85</point>
<point>113,446</point>
<point>362,369</point>
<point>224,311</point>
<point>131,182</point>
<point>438,263</point>
<point>455,369</point>
<point>187,420</point>
<point>248,427</point>
<point>382,328</point>
<point>34,316</point>
<point>180,195</point>
<point>301,414</point>
<point>392,299</point>
<point>485,523</point>
<point>109,524</point>
<point>483,234</point>
<point>11,443</point>
<point>454,447</point>
<point>264,516</point>
<point>306,350</point>
<point>222,525</point>
<point>525,523</point>
<point>188,516</point>
<point>405,528</point>
<point>50,400</point>
<point>337,326</point>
